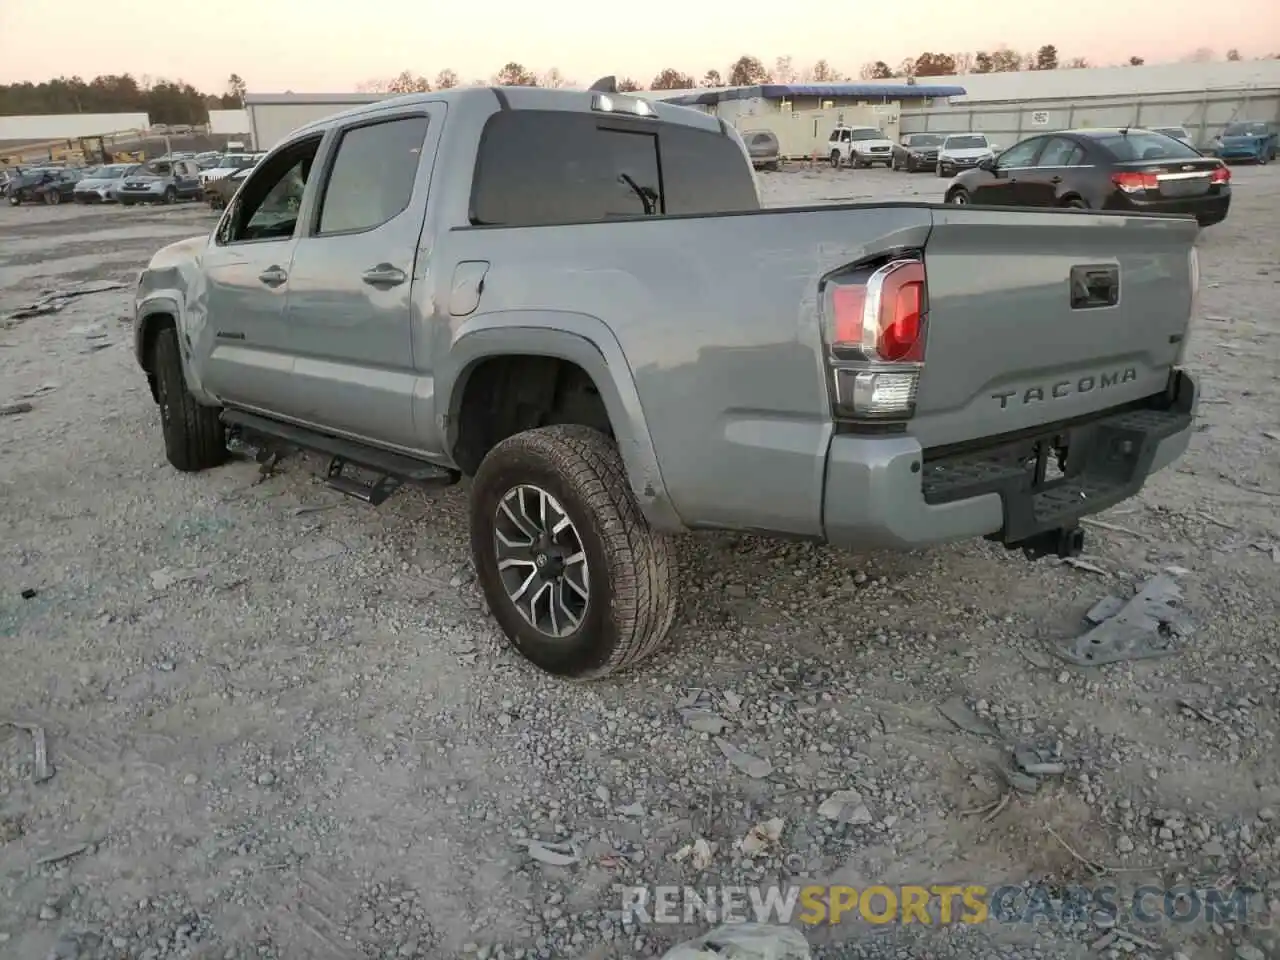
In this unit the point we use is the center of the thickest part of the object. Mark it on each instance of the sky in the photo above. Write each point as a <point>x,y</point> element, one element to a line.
<point>331,46</point>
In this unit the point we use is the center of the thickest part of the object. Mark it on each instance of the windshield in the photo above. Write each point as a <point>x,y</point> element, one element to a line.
<point>972,142</point>
<point>235,161</point>
<point>923,140</point>
<point>1245,130</point>
<point>112,171</point>
<point>158,168</point>
<point>1145,146</point>
<point>866,133</point>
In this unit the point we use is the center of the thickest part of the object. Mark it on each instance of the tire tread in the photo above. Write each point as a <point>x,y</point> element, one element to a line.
<point>194,437</point>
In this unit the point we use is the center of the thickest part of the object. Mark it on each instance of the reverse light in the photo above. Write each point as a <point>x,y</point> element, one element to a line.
<point>876,338</point>
<point>1131,182</point>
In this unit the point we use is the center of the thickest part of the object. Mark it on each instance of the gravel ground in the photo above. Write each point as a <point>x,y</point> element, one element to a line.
<point>281,724</point>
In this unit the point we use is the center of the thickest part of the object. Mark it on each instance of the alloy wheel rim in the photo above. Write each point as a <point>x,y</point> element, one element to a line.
<point>541,560</point>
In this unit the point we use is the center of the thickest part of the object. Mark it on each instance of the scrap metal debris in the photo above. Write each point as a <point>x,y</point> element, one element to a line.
<point>42,769</point>
<point>1038,762</point>
<point>846,806</point>
<point>763,838</point>
<point>60,855</point>
<point>57,299</point>
<point>704,721</point>
<point>749,764</point>
<point>744,941</point>
<point>697,853</point>
<point>958,712</point>
<point>13,409</point>
<point>552,853</point>
<point>1145,626</point>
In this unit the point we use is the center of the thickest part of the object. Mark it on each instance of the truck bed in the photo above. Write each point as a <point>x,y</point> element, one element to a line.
<point>720,319</point>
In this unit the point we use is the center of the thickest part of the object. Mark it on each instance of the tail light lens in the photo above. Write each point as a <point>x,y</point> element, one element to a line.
<point>876,326</point>
<point>1221,175</point>
<point>1131,182</point>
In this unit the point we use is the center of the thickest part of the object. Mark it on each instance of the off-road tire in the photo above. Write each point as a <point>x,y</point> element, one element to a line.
<point>631,570</point>
<point>194,436</point>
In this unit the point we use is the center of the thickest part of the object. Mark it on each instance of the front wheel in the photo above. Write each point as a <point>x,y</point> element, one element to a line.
<point>170,195</point>
<point>959,196</point>
<point>570,569</point>
<point>1075,203</point>
<point>835,159</point>
<point>194,437</point>
<point>15,201</point>
<point>53,198</point>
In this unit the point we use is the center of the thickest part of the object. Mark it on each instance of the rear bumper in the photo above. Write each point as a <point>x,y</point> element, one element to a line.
<point>883,492</point>
<point>1208,209</point>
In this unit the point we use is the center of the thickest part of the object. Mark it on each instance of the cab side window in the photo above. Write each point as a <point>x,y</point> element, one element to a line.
<point>372,174</point>
<point>266,206</point>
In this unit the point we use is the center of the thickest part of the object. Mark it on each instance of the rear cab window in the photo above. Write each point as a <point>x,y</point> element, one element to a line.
<point>545,167</point>
<point>1144,145</point>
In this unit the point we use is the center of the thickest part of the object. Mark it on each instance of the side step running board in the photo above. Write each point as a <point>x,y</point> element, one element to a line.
<point>391,469</point>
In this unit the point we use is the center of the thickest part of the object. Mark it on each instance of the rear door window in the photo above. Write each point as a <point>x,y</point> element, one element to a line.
<point>1060,152</point>
<point>371,178</point>
<point>536,168</point>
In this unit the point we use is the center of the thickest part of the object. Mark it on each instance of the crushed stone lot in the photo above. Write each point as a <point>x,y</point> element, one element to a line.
<point>277,723</point>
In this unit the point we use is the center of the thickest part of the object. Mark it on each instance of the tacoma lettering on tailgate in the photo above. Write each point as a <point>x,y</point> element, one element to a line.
<point>1066,388</point>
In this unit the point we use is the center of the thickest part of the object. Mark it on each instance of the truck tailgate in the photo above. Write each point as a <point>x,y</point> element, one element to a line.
<point>1027,324</point>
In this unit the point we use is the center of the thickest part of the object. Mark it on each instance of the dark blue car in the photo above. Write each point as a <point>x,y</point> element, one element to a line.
<point>1246,140</point>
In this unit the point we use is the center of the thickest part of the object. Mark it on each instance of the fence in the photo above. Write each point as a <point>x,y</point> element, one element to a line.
<point>1203,114</point>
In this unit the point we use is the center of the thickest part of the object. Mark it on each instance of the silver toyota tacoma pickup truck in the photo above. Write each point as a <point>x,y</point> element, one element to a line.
<point>574,299</point>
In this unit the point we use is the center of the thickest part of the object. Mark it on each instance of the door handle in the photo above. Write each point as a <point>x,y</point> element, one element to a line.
<point>1055,179</point>
<point>383,275</point>
<point>273,276</point>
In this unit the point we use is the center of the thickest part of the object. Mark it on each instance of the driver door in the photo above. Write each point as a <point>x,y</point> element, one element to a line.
<point>1002,184</point>
<point>248,355</point>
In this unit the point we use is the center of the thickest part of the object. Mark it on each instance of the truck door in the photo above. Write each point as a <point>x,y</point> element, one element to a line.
<point>350,312</point>
<point>243,341</point>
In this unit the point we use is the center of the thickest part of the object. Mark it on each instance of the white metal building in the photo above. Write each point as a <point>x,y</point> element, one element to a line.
<point>273,116</point>
<point>802,115</point>
<point>229,123</point>
<point>67,126</point>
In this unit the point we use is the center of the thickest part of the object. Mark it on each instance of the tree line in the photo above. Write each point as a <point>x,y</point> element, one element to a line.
<point>178,102</point>
<point>164,101</point>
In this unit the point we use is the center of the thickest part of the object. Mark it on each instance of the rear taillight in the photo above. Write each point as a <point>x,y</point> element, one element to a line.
<point>1131,182</point>
<point>876,320</point>
<point>1221,175</point>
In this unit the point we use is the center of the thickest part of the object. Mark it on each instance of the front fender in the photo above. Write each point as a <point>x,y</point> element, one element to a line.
<point>576,338</point>
<point>156,308</point>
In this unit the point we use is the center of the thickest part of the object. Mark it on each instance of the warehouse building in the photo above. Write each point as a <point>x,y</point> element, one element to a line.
<point>273,116</point>
<point>802,115</point>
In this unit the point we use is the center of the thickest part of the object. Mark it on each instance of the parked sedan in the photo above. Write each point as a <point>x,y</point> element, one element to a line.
<point>963,151</point>
<point>1178,133</point>
<point>161,181</point>
<point>1101,169</point>
<point>764,149</point>
<point>99,185</point>
<point>916,151</point>
<point>219,192</point>
<point>1251,140</point>
<point>49,185</point>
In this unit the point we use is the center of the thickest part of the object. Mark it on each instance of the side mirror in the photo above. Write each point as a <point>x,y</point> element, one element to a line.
<point>987,163</point>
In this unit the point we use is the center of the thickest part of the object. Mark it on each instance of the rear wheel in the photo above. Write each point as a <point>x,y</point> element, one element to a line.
<point>1075,203</point>
<point>959,196</point>
<point>194,437</point>
<point>573,574</point>
<point>53,198</point>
